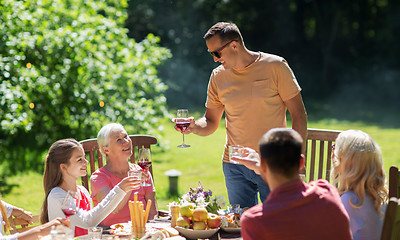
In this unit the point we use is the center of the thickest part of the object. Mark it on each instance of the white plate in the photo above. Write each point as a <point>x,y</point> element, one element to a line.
<point>121,229</point>
<point>195,234</point>
<point>231,230</point>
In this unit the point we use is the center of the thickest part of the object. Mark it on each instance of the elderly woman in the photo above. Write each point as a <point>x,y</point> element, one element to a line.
<point>358,169</point>
<point>116,146</point>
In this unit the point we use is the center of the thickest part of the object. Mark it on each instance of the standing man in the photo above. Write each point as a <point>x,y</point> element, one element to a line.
<point>294,209</point>
<point>255,90</point>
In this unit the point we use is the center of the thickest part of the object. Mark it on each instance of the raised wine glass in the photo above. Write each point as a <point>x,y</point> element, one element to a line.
<point>182,122</point>
<point>144,162</point>
<point>68,206</point>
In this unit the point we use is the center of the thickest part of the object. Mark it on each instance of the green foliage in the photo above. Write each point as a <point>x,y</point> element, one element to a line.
<point>336,48</point>
<point>66,69</point>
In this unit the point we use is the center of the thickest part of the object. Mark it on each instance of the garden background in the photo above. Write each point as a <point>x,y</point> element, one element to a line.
<point>67,67</point>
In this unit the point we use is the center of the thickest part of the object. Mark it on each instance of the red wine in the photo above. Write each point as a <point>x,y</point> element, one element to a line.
<point>182,125</point>
<point>145,164</point>
<point>69,212</point>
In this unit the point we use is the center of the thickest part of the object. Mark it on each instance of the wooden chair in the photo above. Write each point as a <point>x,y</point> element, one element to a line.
<point>391,223</point>
<point>18,224</point>
<point>91,148</point>
<point>318,153</point>
<point>394,182</point>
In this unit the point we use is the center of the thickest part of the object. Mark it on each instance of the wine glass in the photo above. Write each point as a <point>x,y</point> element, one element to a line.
<point>182,122</point>
<point>68,205</point>
<point>144,162</point>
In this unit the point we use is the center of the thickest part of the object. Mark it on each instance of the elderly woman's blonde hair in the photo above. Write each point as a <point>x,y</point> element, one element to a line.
<point>104,133</point>
<point>358,167</point>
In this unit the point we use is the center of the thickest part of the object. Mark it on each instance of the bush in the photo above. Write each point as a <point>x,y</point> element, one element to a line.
<point>66,69</point>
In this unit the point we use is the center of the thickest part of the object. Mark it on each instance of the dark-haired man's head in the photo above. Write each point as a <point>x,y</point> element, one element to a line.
<point>281,150</point>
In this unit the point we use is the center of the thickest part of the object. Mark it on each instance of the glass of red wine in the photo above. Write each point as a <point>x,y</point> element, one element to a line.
<point>144,162</point>
<point>68,206</point>
<point>182,122</point>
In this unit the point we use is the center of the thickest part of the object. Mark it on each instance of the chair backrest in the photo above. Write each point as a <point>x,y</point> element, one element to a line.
<point>319,152</point>
<point>91,148</point>
<point>394,182</point>
<point>19,226</point>
<point>391,223</point>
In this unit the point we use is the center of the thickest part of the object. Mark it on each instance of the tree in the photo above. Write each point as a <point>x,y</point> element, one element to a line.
<point>67,68</point>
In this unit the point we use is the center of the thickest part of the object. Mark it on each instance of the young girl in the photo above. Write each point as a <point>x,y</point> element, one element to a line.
<point>66,162</point>
<point>358,169</point>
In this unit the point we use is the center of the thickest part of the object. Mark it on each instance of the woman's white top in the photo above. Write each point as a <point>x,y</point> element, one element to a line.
<point>9,208</point>
<point>365,222</point>
<point>83,218</point>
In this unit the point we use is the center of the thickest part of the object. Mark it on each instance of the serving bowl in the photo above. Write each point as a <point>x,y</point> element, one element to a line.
<point>195,234</point>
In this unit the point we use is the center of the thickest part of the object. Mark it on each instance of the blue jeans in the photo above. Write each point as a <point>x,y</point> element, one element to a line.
<point>243,185</point>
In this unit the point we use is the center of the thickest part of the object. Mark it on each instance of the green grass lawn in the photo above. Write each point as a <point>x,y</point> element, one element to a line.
<point>202,161</point>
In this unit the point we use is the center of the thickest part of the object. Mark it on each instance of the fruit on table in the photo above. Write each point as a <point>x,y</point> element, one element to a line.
<point>213,220</point>
<point>186,210</point>
<point>200,214</point>
<point>199,225</point>
<point>183,221</point>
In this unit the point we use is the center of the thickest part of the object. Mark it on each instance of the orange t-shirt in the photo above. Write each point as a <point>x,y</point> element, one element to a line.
<point>253,98</point>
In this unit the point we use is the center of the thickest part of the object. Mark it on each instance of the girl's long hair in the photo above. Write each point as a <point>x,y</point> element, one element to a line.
<point>60,152</point>
<point>358,166</point>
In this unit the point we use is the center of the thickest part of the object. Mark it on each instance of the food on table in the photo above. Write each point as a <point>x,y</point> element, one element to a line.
<point>183,221</point>
<point>200,214</point>
<point>200,219</point>
<point>187,209</point>
<point>199,225</point>
<point>163,233</point>
<point>213,220</point>
<point>138,216</point>
<point>231,220</point>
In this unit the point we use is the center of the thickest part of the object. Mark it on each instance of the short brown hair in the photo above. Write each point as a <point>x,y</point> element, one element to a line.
<point>226,31</point>
<point>280,149</point>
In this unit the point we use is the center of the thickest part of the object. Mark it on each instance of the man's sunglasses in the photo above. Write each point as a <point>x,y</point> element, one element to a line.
<point>217,53</point>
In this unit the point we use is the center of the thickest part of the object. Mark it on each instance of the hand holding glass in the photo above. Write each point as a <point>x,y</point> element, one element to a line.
<point>235,151</point>
<point>69,204</point>
<point>182,122</point>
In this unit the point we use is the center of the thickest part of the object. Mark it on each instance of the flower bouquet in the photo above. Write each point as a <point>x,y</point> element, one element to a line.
<point>201,198</point>
<point>198,213</point>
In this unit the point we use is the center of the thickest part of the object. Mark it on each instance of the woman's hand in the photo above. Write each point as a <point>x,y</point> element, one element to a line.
<point>130,183</point>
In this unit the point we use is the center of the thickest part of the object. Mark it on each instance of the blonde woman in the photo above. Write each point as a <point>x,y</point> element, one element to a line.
<point>358,171</point>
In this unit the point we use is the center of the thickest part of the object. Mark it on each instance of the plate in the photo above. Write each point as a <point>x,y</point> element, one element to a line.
<point>121,229</point>
<point>231,230</point>
<point>195,234</point>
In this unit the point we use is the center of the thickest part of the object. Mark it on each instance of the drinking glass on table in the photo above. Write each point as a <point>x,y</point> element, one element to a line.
<point>68,205</point>
<point>144,162</point>
<point>182,122</point>
<point>95,233</point>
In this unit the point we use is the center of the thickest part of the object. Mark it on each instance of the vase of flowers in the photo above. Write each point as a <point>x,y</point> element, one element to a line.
<point>201,198</point>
